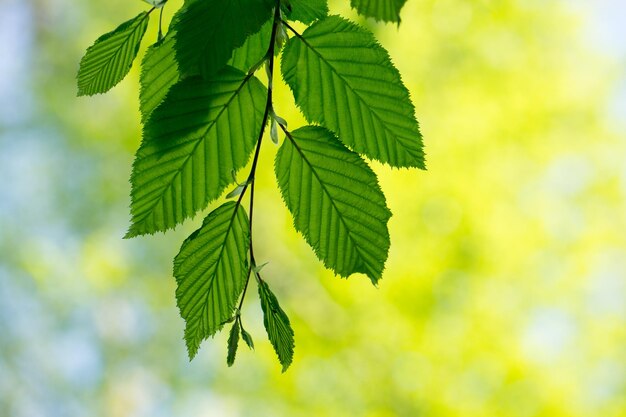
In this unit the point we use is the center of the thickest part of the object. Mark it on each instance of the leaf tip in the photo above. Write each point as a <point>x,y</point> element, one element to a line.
<point>131,233</point>
<point>192,345</point>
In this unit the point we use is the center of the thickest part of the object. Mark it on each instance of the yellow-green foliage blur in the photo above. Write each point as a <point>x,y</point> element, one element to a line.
<point>505,289</point>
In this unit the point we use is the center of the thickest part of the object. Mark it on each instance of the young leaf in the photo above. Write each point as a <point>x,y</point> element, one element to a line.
<point>385,10</point>
<point>236,192</point>
<point>233,341</point>
<point>277,325</point>
<point>253,49</point>
<point>159,72</point>
<point>335,201</point>
<point>200,134</point>
<point>156,3</point>
<point>211,271</point>
<point>208,31</point>
<point>342,79</point>
<point>247,338</point>
<point>307,11</point>
<point>110,58</point>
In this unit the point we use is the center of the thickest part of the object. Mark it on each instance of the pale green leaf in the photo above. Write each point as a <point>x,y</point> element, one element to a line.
<point>208,31</point>
<point>236,192</point>
<point>385,10</point>
<point>336,202</point>
<point>247,338</point>
<point>110,58</point>
<point>233,341</point>
<point>277,325</point>
<point>156,3</point>
<point>344,80</point>
<point>211,271</point>
<point>203,132</point>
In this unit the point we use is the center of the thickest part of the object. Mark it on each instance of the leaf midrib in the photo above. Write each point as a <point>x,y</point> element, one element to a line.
<point>120,47</point>
<point>355,92</point>
<point>217,264</point>
<point>322,185</point>
<point>200,140</point>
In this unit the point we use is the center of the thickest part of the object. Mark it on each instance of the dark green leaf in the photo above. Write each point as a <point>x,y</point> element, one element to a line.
<point>200,134</point>
<point>110,58</point>
<point>308,11</point>
<point>345,81</point>
<point>233,341</point>
<point>211,271</point>
<point>335,201</point>
<point>277,324</point>
<point>208,31</point>
<point>247,338</point>
<point>386,10</point>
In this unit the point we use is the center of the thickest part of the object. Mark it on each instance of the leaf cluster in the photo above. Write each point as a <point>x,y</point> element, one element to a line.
<point>205,112</point>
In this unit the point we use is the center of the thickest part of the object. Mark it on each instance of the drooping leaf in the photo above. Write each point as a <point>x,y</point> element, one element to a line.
<point>247,338</point>
<point>253,49</point>
<point>277,325</point>
<point>159,72</point>
<point>335,201</point>
<point>200,134</point>
<point>208,31</point>
<point>211,271</point>
<point>307,11</point>
<point>110,58</point>
<point>233,341</point>
<point>385,10</point>
<point>344,80</point>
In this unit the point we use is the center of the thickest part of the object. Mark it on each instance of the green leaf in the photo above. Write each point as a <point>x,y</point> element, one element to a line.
<point>233,341</point>
<point>211,271</point>
<point>308,11</point>
<point>203,132</point>
<point>159,72</point>
<point>277,325</point>
<point>386,10</point>
<point>208,31</point>
<point>253,49</point>
<point>335,201</point>
<point>345,81</point>
<point>247,338</point>
<point>110,58</point>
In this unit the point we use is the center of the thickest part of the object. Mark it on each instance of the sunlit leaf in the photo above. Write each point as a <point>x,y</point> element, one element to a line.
<point>247,338</point>
<point>200,134</point>
<point>308,11</point>
<point>233,341</point>
<point>159,72</point>
<point>110,58</point>
<point>335,201</point>
<point>211,271</point>
<point>344,80</point>
<point>386,10</point>
<point>253,49</point>
<point>277,325</point>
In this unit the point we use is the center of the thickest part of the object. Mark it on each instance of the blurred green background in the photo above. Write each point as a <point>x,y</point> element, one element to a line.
<point>505,288</point>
